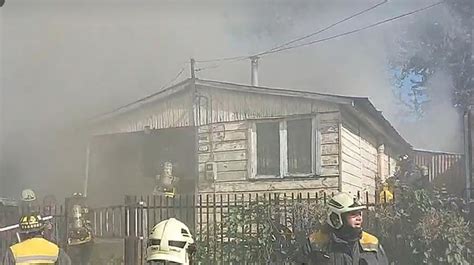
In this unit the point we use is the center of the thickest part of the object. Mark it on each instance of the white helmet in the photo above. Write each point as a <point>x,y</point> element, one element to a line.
<point>170,240</point>
<point>339,204</point>
<point>28,195</point>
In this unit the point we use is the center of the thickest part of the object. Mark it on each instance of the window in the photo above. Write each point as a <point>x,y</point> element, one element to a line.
<point>299,146</point>
<point>284,148</point>
<point>268,148</point>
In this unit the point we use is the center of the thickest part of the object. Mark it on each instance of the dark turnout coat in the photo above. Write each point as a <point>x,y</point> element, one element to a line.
<point>329,249</point>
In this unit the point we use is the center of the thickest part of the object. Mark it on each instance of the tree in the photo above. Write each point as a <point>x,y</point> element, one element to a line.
<point>439,43</point>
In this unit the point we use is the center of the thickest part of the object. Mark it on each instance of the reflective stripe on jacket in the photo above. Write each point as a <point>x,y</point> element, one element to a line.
<point>35,251</point>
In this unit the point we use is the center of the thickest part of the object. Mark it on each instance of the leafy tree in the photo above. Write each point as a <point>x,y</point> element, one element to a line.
<point>438,43</point>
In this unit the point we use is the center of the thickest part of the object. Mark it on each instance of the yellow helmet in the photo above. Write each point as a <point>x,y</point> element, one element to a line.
<point>31,223</point>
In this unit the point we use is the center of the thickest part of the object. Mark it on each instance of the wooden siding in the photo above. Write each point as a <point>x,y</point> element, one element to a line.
<point>358,158</point>
<point>215,106</point>
<point>329,131</point>
<point>226,146</point>
<point>171,112</point>
<point>273,185</point>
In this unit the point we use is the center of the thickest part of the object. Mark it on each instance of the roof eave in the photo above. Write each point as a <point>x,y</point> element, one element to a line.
<point>146,100</point>
<point>366,108</point>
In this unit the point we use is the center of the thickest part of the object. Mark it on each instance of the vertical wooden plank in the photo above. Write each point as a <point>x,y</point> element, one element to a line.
<point>141,228</point>
<point>148,221</point>
<point>252,150</point>
<point>283,150</point>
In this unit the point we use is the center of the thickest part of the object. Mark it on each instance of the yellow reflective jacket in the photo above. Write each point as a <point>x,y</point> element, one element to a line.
<point>35,251</point>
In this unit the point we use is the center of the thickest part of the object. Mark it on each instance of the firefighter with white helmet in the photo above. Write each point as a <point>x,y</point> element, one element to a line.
<point>28,195</point>
<point>342,241</point>
<point>28,201</point>
<point>170,242</point>
<point>34,248</point>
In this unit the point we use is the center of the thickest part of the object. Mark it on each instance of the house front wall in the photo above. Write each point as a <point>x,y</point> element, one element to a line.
<point>225,158</point>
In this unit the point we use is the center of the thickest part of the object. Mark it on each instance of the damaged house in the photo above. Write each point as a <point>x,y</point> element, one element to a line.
<point>224,137</point>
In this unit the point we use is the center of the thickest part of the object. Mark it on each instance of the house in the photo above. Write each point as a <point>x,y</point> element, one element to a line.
<point>226,137</point>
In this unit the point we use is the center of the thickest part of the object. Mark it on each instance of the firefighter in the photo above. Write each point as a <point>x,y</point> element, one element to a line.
<point>342,241</point>
<point>79,236</point>
<point>170,242</point>
<point>28,202</point>
<point>34,248</point>
<point>166,181</point>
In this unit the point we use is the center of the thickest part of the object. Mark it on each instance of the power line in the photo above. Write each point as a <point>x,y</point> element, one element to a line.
<point>356,30</point>
<point>219,64</point>
<point>243,57</point>
<point>276,49</point>
<point>223,59</point>
<point>174,79</point>
<point>325,28</point>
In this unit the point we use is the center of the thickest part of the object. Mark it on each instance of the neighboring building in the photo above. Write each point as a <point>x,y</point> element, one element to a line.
<point>225,137</point>
<point>442,169</point>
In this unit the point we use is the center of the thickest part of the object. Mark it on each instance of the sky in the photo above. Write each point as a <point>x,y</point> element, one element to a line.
<point>65,61</point>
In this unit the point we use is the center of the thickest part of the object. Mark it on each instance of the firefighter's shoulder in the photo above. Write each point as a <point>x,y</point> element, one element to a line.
<point>369,242</point>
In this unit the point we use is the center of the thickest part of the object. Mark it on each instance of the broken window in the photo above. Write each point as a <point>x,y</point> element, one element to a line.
<point>299,146</point>
<point>268,148</point>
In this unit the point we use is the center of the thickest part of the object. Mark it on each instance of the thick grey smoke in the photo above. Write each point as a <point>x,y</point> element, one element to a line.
<point>66,61</point>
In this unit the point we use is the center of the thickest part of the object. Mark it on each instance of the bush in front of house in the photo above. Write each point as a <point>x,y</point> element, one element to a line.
<point>423,227</point>
<point>419,227</point>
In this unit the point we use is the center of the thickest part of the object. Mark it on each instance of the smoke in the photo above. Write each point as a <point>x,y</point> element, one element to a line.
<point>66,61</point>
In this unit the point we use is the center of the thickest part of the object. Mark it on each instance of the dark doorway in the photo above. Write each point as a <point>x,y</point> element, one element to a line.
<point>127,163</point>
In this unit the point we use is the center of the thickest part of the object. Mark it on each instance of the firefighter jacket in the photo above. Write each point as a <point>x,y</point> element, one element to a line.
<point>329,249</point>
<point>36,250</point>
